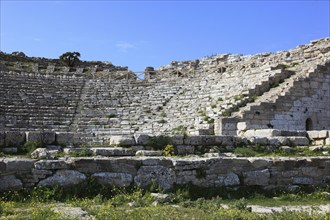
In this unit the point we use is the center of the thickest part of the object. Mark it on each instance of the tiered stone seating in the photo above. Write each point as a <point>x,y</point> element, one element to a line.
<point>33,102</point>
<point>119,108</point>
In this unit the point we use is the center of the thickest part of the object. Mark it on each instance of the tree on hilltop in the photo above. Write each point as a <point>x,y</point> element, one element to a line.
<point>70,58</point>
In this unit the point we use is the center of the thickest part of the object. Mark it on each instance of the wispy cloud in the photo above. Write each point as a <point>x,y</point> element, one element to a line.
<point>124,46</point>
<point>36,39</point>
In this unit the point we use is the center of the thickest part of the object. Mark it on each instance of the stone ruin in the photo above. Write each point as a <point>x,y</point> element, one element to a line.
<point>226,100</point>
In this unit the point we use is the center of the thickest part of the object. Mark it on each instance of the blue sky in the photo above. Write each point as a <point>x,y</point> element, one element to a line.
<point>154,33</point>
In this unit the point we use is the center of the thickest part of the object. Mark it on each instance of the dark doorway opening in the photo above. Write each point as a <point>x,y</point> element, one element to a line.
<point>309,124</point>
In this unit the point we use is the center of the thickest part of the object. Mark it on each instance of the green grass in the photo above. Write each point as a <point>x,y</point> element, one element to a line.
<point>38,204</point>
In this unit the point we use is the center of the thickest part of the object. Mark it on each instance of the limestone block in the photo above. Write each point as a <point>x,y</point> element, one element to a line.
<point>9,150</point>
<point>10,183</point>
<point>327,141</point>
<point>113,151</point>
<point>185,149</point>
<point>2,139</point>
<point>299,141</point>
<point>64,138</point>
<point>290,173</point>
<point>14,138</point>
<point>249,133</point>
<point>42,137</point>
<point>323,134</point>
<point>113,179</point>
<point>225,140</point>
<point>63,178</point>
<point>51,165</point>
<point>164,177</point>
<point>41,173</point>
<point>302,180</point>
<point>257,178</point>
<point>149,153</point>
<point>205,140</point>
<point>176,140</point>
<point>242,126</point>
<point>313,134</point>
<point>318,142</point>
<point>259,140</point>
<point>71,213</point>
<point>267,133</point>
<point>18,164</point>
<point>113,165</point>
<point>293,133</point>
<point>122,140</point>
<point>231,180</point>
<point>274,141</point>
<point>164,161</point>
<point>260,163</point>
<point>41,153</point>
<point>311,171</point>
<point>141,139</point>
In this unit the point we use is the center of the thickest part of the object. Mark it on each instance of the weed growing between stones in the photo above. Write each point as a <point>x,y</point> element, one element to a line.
<point>169,150</point>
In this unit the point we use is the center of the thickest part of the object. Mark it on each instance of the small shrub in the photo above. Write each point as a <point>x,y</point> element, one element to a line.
<point>169,150</point>
<point>29,147</point>
<point>220,99</point>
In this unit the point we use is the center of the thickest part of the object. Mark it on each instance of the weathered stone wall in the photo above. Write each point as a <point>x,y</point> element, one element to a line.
<point>266,173</point>
<point>183,144</point>
<point>307,100</point>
